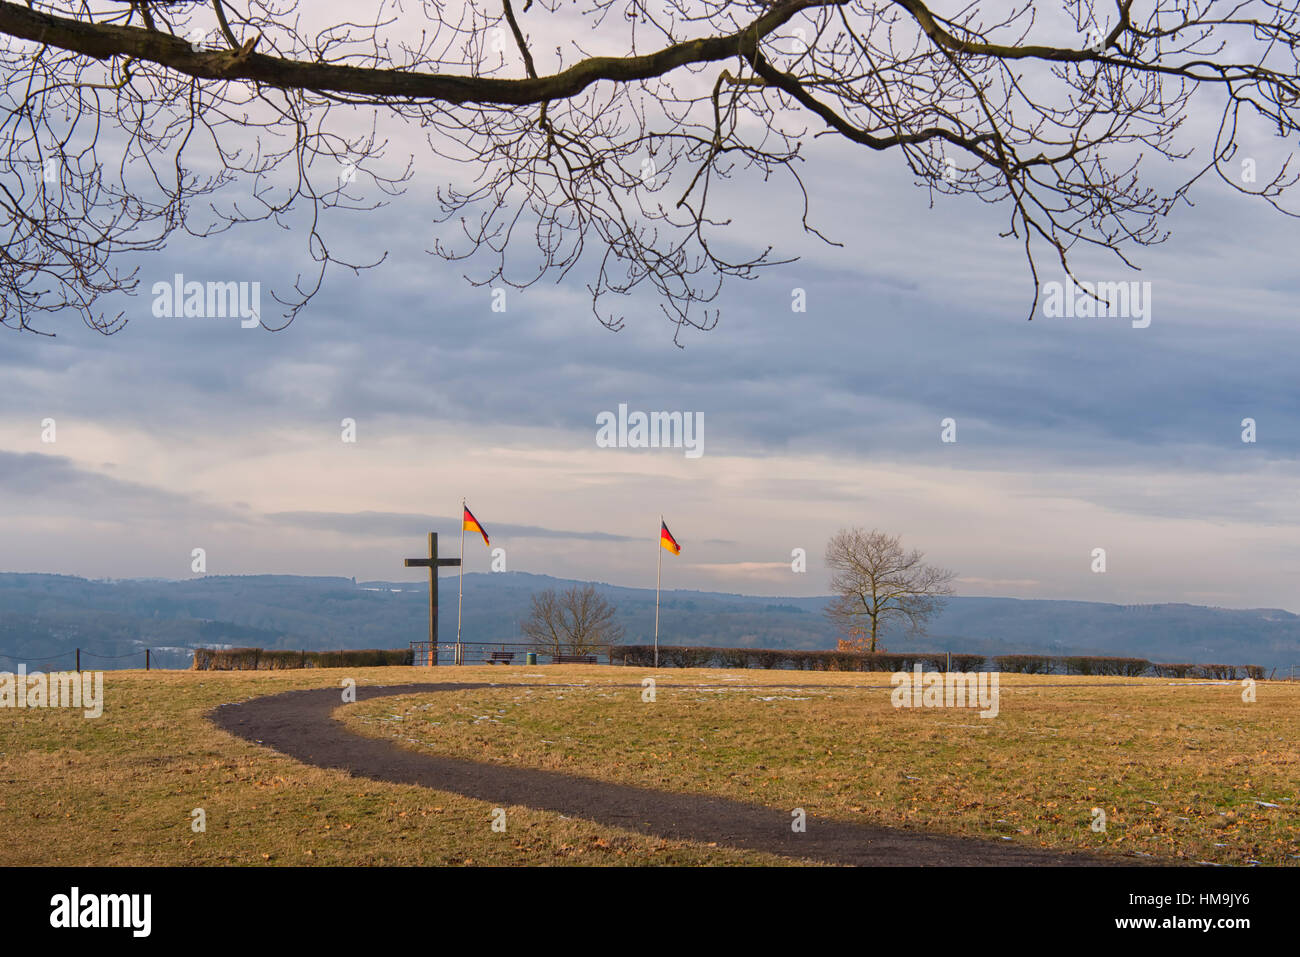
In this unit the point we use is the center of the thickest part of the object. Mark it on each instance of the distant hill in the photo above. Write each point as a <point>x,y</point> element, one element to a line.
<point>44,615</point>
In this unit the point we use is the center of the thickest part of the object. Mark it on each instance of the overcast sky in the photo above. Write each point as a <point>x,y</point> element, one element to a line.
<point>1072,434</point>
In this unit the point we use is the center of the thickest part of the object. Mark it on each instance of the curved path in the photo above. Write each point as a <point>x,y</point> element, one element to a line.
<point>300,724</point>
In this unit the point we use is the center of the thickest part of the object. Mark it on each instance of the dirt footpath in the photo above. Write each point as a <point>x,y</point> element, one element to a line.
<point>299,724</point>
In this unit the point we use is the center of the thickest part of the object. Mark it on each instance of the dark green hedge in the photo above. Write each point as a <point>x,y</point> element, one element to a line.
<point>258,659</point>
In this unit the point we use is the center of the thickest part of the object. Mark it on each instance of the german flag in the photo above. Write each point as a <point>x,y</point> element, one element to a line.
<point>470,524</point>
<point>666,539</point>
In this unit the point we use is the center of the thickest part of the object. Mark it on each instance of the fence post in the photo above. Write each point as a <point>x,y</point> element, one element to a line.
<point>78,661</point>
<point>947,668</point>
<point>146,659</point>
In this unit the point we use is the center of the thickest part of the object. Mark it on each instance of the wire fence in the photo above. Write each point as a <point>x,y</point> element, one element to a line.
<point>146,658</point>
<point>26,658</point>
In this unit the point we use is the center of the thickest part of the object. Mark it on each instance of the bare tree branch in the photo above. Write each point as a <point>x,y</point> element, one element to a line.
<point>124,123</point>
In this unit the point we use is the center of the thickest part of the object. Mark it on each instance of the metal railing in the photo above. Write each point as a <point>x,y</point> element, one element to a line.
<point>499,652</point>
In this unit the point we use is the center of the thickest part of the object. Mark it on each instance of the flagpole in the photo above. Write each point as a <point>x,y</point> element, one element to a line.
<point>659,573</point>
<point>460,591</point>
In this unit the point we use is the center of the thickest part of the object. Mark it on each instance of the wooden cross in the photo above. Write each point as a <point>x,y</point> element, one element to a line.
<point>433,563</point>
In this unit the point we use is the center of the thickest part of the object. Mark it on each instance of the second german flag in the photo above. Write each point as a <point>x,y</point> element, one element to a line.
<point>666,539</point>
<point>470,524</point>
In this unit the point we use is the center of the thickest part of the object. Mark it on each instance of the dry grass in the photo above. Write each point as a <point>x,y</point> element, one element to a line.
<point>1179,767</point>
<point>120,789</point>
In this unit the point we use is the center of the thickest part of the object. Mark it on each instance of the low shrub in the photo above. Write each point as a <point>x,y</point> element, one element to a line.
<point>1218,672</point>
<point>682,656</point>
<point>968,662</point>
<point>1024,664</point>
<point>1105,665</point>
<point>1174,670</point>
<point>258,659</point>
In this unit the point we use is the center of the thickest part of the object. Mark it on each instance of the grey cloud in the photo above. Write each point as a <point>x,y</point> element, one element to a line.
<point>34,484</point>
<point>397,525</point>
<point>920,316</point>
<point>869,370</point>
<point>54,479</point>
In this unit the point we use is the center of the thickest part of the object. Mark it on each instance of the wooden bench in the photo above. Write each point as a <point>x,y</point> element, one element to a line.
<point>501,658</point>
<point>573,659</point>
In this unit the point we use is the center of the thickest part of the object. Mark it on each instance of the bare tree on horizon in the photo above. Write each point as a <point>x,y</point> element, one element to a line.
<point>577,621</point>
<point>876,582</point>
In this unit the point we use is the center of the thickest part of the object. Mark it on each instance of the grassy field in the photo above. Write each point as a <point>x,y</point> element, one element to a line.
<point>1177,766</point>
<point>1182,770</point>
<point>120,789</point>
